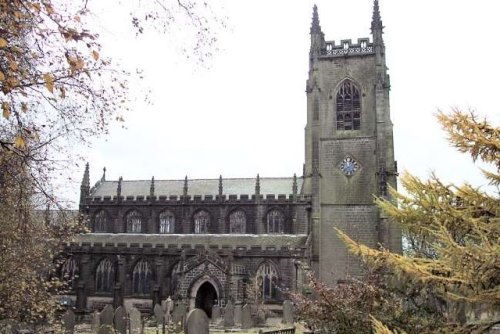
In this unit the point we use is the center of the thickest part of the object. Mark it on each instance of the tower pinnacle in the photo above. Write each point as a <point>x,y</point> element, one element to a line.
<point>376,18</point>
<point>315,27</point>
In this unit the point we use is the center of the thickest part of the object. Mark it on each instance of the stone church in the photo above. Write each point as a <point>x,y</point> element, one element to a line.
<point>204,240</point>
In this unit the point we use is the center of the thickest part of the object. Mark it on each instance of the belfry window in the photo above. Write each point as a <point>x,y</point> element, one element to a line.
<point>100,221</point>
<point>142,278</point>
<point>237,222</point>
<point>134,222</point>
<point>201,222</point>
<point>167,220</point>
<point>275,221</point>
<point>348,105</point>
<point>267,280</point>
<point>105,276</point>
<point>70,273</point>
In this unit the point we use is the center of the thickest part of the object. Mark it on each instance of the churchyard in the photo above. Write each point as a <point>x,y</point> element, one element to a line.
<point>171,317</point>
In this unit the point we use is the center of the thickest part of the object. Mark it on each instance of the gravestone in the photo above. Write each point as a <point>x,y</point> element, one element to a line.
<point>261,317</point>
<point>287,312</point>
<point>196,322</point>
<point>215,313</point>
<point>229,315</point>
<point>158,311</point>
<point>246,317</point>
<point>107,316</point>
<point>69,320</point>
<point>120,320</point>
<point>169,306</point>
<point>135,321</point>
<point>179,312</point>
<point>105,329</point>
<point>237,314</point>
<point>96,322</point>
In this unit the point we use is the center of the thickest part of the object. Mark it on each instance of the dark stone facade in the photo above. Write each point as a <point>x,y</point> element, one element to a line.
<point>159,238</point>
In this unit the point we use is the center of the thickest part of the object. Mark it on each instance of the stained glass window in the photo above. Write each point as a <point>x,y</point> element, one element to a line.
<point>267,279</point>
<point>348,104</point>
<point>275,221</point>
<point>237,222</point>
<point>201,222</point>
<point>167,220</point>
<point>134,222</point>
<point>100,221</point>
<point>142,278</point>
<point>105,276</point>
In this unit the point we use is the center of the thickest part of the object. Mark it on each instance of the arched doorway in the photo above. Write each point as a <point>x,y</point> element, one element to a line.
<point>206,297</point>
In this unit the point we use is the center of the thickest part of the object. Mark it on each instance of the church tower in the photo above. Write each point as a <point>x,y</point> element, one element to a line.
<point>349,147</point>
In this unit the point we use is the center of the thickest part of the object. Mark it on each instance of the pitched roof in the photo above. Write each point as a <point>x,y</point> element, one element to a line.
<point>234,186</point>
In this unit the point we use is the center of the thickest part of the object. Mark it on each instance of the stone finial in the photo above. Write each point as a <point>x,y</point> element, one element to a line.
<point>119,187</point>
<point>221,189</point>
<point>152,187</point>
<point>294,186</point>
<point>86,176</point>
<point>185,190</point>
<point>257,185</point>
<point>376,18</point>
<point>85,186</point>
<point>315,27</point>
<point>103,177</point>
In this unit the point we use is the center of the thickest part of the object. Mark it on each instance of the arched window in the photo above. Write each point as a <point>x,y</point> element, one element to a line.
<point>142,278</point>
<point>105,276</point>
<point>134,222</point>
<point>348,105</point>
<point>275,221</point>
<point>70,273</point>
<point>100,221</point>
<point>267,280</point>
<point>201,222</point>
<point>237,222</point>
<point>167,220</point>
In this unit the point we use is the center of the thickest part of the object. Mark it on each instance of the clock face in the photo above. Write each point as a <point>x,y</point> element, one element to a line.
<point>349,166</point>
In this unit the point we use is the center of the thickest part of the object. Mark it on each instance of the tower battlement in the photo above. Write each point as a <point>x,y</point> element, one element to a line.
<point>347,48</point>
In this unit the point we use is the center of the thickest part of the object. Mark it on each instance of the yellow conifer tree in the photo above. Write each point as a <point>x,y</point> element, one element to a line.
<point>456,228</point>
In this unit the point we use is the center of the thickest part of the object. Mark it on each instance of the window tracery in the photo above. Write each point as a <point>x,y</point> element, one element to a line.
<point>100,221</point>
<point>142,278</point>
<point>134,222</point>
<point>275,221</point>
<point>237,222</point>
<point>348,107</point>
<point>267,279</point>
<point>201,222</point>
<point>105,276</point>
<point>70,273</point>
<point>167,222</point>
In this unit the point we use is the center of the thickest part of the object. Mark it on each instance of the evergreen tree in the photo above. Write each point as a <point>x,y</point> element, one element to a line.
<point>453,231</point>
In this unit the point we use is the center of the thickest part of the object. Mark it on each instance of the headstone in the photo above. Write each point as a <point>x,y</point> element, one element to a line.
<point>179,312</point>
<point>215,313</point>
<point>169,306</point>
<point>69,320</point>
<point>96,322</point>
<point>107,316</point>
<point>120,320</point>
<point>158,311</point>
<point>237,314</point>
<point>196,322</point>
<point>105,329</point>
<point>229,315</point>
<point>261,317</point>
<point>135,321</point>
<point>287,312</point>
<point>246,317</point>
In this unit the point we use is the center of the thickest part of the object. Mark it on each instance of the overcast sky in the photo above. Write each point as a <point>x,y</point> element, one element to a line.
<point>246,113</point>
